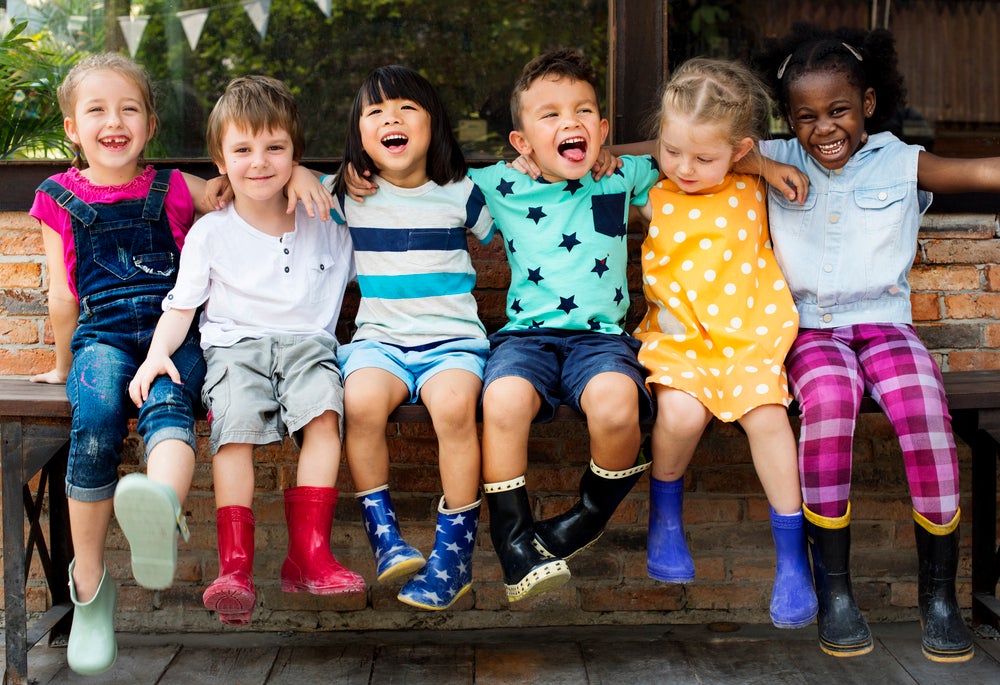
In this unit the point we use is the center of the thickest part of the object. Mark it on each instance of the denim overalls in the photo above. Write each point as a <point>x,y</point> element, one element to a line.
<point>126,262</point>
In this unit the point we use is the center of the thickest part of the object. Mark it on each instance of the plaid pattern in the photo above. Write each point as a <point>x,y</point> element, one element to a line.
<point>829,371</point>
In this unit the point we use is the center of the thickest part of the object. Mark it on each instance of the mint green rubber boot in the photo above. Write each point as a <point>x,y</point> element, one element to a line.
<point>150,516</point>
<point>92,648</point>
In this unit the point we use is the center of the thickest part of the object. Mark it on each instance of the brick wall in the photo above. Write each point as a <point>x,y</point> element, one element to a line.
<point>956,298</point>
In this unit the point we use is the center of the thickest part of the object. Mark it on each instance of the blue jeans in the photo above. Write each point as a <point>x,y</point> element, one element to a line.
<point>108,346</point>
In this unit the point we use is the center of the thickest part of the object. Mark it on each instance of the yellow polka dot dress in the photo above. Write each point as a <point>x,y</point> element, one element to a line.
<point>719,318</point>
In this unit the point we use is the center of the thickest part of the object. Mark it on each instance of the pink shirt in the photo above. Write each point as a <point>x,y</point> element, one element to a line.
<point>179,207</point>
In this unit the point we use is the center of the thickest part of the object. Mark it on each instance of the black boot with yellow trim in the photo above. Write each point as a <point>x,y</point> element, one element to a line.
<point>946,637</point>
<point>843,631</point>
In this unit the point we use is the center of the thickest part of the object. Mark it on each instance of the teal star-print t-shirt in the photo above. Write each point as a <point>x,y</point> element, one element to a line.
<point>566,244</point>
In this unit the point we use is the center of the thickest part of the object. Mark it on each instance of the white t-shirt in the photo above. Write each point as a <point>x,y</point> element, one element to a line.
<point>255,285</point>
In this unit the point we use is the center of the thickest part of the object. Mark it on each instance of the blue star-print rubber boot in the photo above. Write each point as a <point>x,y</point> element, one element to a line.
<point>394,558</point>
<point>448,573</point>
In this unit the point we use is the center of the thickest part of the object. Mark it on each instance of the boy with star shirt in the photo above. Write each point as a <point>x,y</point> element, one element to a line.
<point>564,342</point>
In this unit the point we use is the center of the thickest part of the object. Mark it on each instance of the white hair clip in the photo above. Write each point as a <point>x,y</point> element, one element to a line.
<point>784,65</point>
<point>854,51</point>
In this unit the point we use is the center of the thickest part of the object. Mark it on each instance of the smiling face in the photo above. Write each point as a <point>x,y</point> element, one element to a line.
<point>111,124</point>
<point>827,115</point>
<point>396,134</point>
<point>561,127</point>
<point>697,156</point>
<point>258,164</point>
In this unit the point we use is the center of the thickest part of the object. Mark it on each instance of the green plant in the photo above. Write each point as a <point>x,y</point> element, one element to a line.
<point>31,69</point>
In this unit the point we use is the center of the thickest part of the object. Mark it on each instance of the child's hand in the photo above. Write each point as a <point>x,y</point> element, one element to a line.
<point>526,165</point>
<point>358,186</point>
<point>153,367</point>
<point>305,187</point>
<point>606,164</point>
<point>218,192</point>
<point>53,377</point>
<point>791,181</point>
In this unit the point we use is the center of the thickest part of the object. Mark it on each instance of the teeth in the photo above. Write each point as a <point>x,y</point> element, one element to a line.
<point>394,139</point>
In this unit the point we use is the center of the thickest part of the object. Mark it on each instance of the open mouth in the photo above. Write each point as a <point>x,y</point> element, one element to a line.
<point>573,149</point>
<point>832,149</point>
<point>115,143</point>
<point>394,142</point>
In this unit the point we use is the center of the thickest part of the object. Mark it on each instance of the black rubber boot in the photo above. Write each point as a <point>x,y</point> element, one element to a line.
<point>601,491</point>
<point>525,571</point>
<point>946,637</point>
<point>843,631</point>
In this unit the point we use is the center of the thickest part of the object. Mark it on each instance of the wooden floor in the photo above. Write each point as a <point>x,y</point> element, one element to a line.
<point>707,655</point>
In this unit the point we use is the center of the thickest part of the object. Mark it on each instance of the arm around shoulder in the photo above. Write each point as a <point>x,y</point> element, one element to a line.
<point>957,175</point>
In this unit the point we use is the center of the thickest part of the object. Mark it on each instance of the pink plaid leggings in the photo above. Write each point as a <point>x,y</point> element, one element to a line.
<point>829,371</point>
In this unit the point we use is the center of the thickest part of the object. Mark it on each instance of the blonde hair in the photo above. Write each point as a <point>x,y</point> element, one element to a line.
<point>108,61</point>
<point>721,92</point>
<point>258,103</point>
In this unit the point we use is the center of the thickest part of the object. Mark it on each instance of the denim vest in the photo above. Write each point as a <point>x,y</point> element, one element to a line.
<point>124,249</point>
<point>846,253</point>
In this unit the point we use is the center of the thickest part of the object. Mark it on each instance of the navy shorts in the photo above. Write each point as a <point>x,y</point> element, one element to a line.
<point>559,364</point>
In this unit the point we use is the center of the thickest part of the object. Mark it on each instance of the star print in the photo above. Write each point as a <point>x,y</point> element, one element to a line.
<point>452,547</point>
<point>510,246</point>
<point>505,188</point>
<point>619,172</point>
<point>600,266</point>
<point>459,520</point>
<point>535,275</point>
<point>368,502</point>
<point>516,307</point>
<point>567,304</point>
<point>572,185</point>
<point>569,241</point>
<point>536,214</point>
<point>594,324</point>
<point>442,574</point>
<point>382,530</point>
<point>619,295</point>
<point>536,324</point>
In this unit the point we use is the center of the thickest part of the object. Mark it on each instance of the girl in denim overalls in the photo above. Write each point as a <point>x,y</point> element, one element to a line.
<point>846,253</point>
<point>112,230</point>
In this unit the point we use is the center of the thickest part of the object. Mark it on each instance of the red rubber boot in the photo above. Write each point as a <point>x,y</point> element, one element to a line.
<point>232,594</point>
<point>310,565</point>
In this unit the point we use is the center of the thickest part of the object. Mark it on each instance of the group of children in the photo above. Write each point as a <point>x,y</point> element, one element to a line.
<point>727,314</point>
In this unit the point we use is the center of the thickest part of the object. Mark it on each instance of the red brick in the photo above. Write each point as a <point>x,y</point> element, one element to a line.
<point>944,278</point>
<point>20,275</point>
<point>26,362</point>
<point>972,306</point>
<point>972,361</point>
<point>925,306</point>
<point>962,251</point>
<point>18,331</point>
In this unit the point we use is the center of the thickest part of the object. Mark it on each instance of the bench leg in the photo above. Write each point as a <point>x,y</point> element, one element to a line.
<point>15,623</point>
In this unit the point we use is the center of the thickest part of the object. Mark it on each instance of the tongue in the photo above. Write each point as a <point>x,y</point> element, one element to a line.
<point>574,154</point>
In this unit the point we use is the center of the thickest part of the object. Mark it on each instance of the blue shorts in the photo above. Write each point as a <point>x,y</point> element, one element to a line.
<point>415,366</point>
<point>560,364</point>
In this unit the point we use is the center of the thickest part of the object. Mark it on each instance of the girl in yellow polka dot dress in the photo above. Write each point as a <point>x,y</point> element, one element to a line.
<point>719,321</point>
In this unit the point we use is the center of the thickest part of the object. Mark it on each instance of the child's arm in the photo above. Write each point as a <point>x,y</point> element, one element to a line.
<point>607,163</point>
<point>171,330</point>
<point>790,180</point>
<point>208,195</point>
<point>305,186</point>
<point>958,175</point>
<point>63,308</point>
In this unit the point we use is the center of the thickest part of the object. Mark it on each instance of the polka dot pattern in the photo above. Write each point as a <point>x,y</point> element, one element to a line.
<point>725,342</point>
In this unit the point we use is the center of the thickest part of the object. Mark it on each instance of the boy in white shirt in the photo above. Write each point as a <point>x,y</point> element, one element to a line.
<point>272,285</point>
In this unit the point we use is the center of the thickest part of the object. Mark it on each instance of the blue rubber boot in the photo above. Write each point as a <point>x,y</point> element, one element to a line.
<point>667,555</point>
<point>394,558</point>
<point>92,648</point>
<point>448,573</point>
<point>793,600</point>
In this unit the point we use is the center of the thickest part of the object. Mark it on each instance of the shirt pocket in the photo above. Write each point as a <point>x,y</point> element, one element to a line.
<point>883,208</point>
<point>788,217</point>
<point>321,278</point>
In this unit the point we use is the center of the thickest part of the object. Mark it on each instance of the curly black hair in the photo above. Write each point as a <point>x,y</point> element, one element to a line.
<point>867,59</point>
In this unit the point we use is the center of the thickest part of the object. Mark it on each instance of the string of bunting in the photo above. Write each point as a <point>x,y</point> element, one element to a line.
<point>193,21</point>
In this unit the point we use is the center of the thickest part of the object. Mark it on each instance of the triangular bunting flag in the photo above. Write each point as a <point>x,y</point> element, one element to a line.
<point>193,21</point>
<point>133,28</point>
<point>324,6</point>
<point>259,12</point>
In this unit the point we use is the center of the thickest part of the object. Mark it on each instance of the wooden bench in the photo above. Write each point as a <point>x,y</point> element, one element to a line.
<point>34,438</point>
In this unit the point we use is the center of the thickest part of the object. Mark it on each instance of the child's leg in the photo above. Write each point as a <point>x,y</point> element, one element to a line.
<point>232,475</point>
<point>370,395</point>
<point>451,397</point>
<point>906,382</point>
<point>680,422</point>
<point>610,401</point>
<point>509,406</point>
<point>772,445</point>
<point>310,565</point>
<point>88,523</point>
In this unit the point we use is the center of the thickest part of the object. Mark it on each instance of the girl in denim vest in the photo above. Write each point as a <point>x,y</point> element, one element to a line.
<point>846,253</point>
<point>112,229</point>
